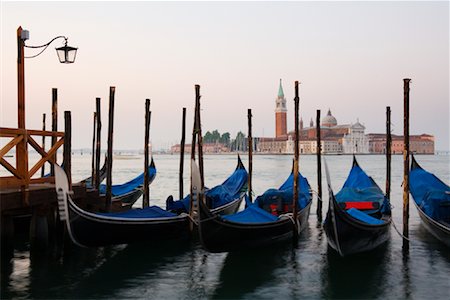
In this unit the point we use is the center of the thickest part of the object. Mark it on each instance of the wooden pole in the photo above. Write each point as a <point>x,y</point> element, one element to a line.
<point>182,144</point>
<point>194,138</point>
<point>112,91</point>
<point>319,166</point>
<point>43,144</point>
<point>96,183</point>
<point>21,149</point>
<point>250,154</point>
<point>296,157</point>
<point>54,126</point>
<point>388,152</point>
<point>67,151</point>
<point>94,137</point>
<point>406,162</point>
<point>199,136</point>
<point>146,199</point>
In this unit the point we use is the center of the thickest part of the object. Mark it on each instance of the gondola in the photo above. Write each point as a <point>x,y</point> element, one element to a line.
<point>432,200</point>
<point>128,193</point>
<point>87,229</point>
<point>359,216</point>
<point>266,221</point>
<point>222,199</point>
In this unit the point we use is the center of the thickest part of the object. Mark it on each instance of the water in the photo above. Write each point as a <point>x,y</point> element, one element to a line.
<point>308,269</point>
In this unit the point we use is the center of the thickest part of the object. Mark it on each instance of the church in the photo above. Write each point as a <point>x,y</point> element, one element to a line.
<point>335,138</point>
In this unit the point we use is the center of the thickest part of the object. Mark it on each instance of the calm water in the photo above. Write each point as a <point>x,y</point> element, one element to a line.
<point>308,269</point>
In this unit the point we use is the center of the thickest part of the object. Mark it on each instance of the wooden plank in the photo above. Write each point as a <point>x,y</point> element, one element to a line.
<point>13,132</point>
<point>50,155</point>
<point>43,144</point>
<point>10,145</point>
<point>10,168</point>
<point>146,198</point>
<point>11,181</point>
<point>36,146</point>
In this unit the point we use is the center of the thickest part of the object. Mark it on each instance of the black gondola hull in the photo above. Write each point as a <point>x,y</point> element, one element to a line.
<point>90,230</point>
<point>353,236</point>
<point>219,235</point>
<point>438,230</point>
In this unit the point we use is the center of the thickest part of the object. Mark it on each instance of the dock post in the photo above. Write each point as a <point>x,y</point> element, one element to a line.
<point>250,155</point>
<point>146,198</point>
<point>96,182</point>
<point>319,167</point>
<point>39,229</point>
<point>406,162</point>
<point>296,157</point>
<point>54,126</point>
<point>112,91</point>
<point>22,146</point>
<point>388,152</point>
<point>182,144</point>
<point>67,150</point>
<point>93,170</point>
<point>199,136</point>
<point>43,144</point>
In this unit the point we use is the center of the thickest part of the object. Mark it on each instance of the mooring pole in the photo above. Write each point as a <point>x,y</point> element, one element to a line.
<point>296,156</point>
<point>388,152</point>
<point>94,131</point>
<point>43,144</point>
<point>319,167</point>
<point>112,91</point>
<point>200,137</point>
<point>67,150</point>
<point>96,182</point>
<point>406,162</point>
<point>54,126</point>
<point>146,199</point>
<point>194,138</point>
<point>22,146</point>
<point>250,154</point>
<point>183,138</point>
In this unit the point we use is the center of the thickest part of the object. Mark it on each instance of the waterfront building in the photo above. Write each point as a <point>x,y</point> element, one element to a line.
<point>419,144</point>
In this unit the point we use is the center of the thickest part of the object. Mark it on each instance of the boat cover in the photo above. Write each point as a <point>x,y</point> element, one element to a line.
<point>219,195</point>
<point>252,214</point>
<point>125,188</point>
<point>141,213</point>
<point>359,215</point>
<point>360,187</point>
<point>285,193</point>
<point>431,194</point>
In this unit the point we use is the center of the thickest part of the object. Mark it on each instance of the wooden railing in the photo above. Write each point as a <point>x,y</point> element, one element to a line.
<point>20,138</point>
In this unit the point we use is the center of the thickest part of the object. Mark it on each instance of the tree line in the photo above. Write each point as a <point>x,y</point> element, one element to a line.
<point>236,144</point>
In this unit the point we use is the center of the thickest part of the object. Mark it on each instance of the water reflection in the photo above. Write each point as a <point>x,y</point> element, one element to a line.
<point>244,271</point>
<point>355,277</point>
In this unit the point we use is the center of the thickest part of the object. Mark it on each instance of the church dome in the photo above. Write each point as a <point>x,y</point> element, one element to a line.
<point>329,120</point>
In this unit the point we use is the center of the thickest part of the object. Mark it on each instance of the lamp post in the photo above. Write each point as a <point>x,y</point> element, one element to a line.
<point>66,54</point>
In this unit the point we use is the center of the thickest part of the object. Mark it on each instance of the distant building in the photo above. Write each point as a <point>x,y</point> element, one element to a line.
<point>420,144</point>
<point>207,148</point>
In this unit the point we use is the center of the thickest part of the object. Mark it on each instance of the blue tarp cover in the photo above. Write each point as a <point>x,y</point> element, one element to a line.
<point>218,195</point>
<point>357,214</point>
<point>148,212</point>
<point>360,187</point>
<point>431,194</point>
<point>125,188</point>
<point>285,192</point>
<point>252,214</point>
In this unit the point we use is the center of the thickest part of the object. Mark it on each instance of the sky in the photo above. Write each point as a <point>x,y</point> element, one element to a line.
<point>350,57</point>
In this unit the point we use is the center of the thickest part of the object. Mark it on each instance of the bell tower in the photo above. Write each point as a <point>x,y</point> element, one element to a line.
<point>280,114</point>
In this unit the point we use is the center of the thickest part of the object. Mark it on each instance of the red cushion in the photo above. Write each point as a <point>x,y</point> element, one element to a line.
<point>363,205</point>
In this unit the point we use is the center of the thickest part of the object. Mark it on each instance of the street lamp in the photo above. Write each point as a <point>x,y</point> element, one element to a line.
<point>66,54</point>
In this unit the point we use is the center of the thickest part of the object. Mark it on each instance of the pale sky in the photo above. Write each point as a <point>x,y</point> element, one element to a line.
<point>350,57</point>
